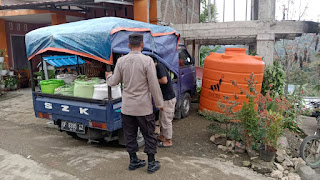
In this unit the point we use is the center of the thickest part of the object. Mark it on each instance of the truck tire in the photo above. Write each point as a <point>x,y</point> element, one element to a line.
<point>185,106</point>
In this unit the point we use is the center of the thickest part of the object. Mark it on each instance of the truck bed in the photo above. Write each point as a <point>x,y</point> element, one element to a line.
<point>79,110</point>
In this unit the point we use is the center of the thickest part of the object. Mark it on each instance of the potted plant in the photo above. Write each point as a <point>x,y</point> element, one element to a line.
<point>272,126</point>
<point>2,55</point>
<point>2,84</point>
<point>11,72</point>
<point>3,69</point>
<point>12,82</point>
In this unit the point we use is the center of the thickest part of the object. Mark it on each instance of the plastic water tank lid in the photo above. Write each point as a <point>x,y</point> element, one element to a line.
<point>235,51</point>
<point>257,58</point>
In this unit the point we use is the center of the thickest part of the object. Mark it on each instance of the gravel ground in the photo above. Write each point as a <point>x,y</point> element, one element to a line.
<point>32,149</point>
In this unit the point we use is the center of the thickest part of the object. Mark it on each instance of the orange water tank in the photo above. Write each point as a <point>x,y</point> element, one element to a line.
<point>221,69</point>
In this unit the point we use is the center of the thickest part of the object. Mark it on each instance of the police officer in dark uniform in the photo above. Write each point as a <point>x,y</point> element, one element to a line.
<point>138,74</point>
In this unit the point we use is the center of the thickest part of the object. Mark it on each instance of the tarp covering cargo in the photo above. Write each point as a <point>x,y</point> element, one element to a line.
<point>97,38</point>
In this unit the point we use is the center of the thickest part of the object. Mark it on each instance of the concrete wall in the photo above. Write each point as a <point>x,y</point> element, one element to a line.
<point>17,29</point>
<point>178,11</point>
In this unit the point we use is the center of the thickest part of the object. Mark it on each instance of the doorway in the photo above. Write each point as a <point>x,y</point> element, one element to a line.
<point>19,55</point>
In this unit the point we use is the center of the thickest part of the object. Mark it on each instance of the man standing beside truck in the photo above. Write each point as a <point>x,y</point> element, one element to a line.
<point>166,115</point>
<point>138,74</point>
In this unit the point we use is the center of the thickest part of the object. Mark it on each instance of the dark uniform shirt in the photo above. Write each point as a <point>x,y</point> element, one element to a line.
<point>167,90</point>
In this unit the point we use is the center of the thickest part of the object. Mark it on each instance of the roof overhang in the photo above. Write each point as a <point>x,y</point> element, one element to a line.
<point>67,5</point>
<point>38,16</point>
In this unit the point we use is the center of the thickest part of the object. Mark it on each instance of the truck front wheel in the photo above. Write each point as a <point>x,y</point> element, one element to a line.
<point>185,106</point>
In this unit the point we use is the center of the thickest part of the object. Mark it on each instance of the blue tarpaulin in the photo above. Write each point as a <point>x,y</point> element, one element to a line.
<point>97,38</point>
<point>59,61</point>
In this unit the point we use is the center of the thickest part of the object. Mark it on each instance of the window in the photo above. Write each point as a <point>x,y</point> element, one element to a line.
<point>125,12</point>
<point>25,27</point>
<point>18,27</point>
<point>11,26</point>
<point>184,58</point>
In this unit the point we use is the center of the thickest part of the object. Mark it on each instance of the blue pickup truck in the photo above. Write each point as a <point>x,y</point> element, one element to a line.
<point>104,40</point>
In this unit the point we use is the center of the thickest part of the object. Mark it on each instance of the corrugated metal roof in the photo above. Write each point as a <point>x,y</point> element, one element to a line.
<point>59,61</point>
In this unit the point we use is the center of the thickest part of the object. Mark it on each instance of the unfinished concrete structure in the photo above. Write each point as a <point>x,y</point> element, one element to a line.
<point>260,33</point>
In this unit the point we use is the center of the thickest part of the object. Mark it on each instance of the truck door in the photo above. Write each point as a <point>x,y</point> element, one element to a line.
<point>187,73</point>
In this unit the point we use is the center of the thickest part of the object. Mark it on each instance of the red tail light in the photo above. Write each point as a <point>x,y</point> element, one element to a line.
<point>44,115</point>
<point>99,125</point>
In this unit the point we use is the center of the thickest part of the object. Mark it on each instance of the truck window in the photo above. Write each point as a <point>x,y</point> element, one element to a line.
<point>184,58</point>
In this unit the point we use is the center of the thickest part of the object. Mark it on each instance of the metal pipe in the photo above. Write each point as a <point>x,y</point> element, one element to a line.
<point>209,11</point>
<point>78,67</point>
<point>42,71</point>
<point>246,9</point>
<point>45,66</point>
<point>224,9</point>
<point>31,76</point>
<point>234,10</point>
<point>109,87</point>
<point>214,10</point>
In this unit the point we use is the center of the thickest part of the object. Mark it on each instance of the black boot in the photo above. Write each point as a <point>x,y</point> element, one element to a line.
<point>153,165</point>
<point>135,162</point>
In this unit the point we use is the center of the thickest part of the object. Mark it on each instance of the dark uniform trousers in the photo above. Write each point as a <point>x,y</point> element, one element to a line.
<point>130,126</point>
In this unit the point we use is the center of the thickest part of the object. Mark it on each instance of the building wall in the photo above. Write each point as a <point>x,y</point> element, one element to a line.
<point>11,2</point>
<point>112,10</point>
<point>179,11</point>
<point>20,29</point>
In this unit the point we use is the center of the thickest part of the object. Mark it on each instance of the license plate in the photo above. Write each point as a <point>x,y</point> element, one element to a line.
<point>72,127</point>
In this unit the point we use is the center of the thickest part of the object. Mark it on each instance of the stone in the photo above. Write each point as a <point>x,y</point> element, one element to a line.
<point>230,149</point>
<point>235,156</point>
<point>220,135</point>
<point>212,138</point>
<point>223,148</point>
<point>277,174</point>
<point>285,178</point>
<point>291,169</point>
<point>287,162</point>
<point>279,167</point>
<point>306,173</point>
<point>246,163</point>
<point>294,143</point>
<point>280,155</point>
<point>261,166</point>
<point>230,144</point>
<point>285,173</point>
<point>223,156</point>
<point>299,162</point>
<point>220,141</point>
<point>251,152</point>
<point>293,176</point>
<point>279,159</point>
<point>283,143</point>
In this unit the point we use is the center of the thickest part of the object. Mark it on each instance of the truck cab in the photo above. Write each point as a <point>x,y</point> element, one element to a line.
<point>185,84</point>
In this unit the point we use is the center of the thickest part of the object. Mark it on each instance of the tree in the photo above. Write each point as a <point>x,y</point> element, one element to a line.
<point>293,9</point>
<point>205,51</point>
<point>298,59</point>
<point>204,15</point>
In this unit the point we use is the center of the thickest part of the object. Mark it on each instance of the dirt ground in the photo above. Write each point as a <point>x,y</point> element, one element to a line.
<point>32,149</point>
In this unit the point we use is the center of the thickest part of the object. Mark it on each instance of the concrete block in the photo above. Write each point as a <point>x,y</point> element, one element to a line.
<point>306,173</point>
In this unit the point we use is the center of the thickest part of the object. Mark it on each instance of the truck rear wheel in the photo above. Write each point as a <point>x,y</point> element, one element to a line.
<point>185,106</point>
